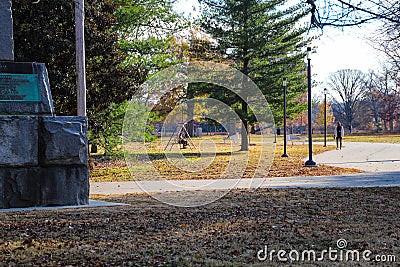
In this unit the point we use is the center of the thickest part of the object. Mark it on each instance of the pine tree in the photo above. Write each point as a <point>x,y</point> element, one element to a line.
<point>266,43</point>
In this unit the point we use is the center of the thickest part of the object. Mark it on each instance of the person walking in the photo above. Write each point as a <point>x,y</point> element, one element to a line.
<point>339,134</point>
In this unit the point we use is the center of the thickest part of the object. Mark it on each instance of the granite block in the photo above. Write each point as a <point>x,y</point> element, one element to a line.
<point>19,140</point>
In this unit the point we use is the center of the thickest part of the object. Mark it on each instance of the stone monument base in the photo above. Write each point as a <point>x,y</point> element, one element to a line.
<point>43,158</point>
<point>43,161</point>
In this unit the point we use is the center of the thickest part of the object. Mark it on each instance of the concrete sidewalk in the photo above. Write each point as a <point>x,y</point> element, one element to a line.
<point>368,157</point>
<point>354,180</point>
<point>92,204</point>
<point>381,163</point>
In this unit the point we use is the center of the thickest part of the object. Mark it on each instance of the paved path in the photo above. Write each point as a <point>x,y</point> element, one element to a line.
<point>92,204</point>
<point>369,157</point>
<point>381,163</point>
<point>359,180</point>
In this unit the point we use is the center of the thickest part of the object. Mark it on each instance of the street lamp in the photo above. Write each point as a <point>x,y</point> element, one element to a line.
<point>325,91</point>
<point>284,119</point>
<point>309,162</point>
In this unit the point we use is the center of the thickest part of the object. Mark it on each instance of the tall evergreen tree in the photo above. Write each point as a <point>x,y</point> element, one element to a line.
<point>265,40</point>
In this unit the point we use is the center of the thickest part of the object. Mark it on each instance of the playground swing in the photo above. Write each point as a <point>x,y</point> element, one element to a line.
<point>180,136</point>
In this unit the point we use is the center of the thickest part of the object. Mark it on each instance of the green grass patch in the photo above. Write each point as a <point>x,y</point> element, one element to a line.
<point>110,174</point>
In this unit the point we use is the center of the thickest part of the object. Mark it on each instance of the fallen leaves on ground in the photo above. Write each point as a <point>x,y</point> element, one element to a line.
<point>160,166</point>
<point>228,232</point>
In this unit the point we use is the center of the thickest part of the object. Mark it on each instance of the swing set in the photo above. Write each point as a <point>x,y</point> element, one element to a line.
<point>181,137</point>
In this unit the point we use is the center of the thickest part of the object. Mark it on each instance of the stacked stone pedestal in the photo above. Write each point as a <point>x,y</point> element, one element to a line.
<point>45,161</point>
<point>43,158</point>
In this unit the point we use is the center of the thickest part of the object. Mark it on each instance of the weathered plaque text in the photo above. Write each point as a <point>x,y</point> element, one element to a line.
<point>19,87</point>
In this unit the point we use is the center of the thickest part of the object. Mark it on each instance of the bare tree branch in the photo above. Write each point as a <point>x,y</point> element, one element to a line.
<point>349,85</point>
<point>341,13</point>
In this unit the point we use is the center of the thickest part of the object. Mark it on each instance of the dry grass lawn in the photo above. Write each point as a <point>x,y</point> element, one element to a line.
<point>166,163</point>
<point>228,232</point>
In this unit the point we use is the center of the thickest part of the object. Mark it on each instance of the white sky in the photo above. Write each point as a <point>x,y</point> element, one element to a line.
<point>336,49</point>
<point>344,49</point>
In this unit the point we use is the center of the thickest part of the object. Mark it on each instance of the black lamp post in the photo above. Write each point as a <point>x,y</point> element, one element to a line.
<point>325,91</point>
<point>284,119</point>
<point>309,162</point>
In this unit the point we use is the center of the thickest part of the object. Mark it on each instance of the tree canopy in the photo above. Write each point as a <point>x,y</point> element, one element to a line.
<point>264,40</point>
<point>118,54</point>
<point>349,85</point>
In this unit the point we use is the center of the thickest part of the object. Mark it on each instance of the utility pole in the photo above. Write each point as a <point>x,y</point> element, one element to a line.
<point>80,55</point>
